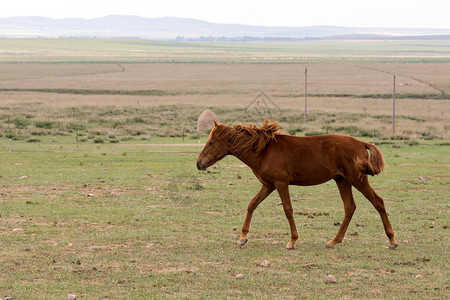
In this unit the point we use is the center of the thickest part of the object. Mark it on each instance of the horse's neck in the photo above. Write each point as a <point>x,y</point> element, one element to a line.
<point>249,158</point>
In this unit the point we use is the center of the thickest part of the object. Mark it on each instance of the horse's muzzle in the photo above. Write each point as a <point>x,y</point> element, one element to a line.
<point>201,167</point>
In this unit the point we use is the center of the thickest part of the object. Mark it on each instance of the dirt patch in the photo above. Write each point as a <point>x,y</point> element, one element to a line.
<point>312,215</point>
<point>30,192</point>
<point>175,270</point>
<point>167,270</point>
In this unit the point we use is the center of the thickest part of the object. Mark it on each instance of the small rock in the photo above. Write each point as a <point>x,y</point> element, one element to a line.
<point>90,195</point>
<point>17,229</point>
<point>230,183</point>
<point>24,177</point>
<point>418,276</point>
<point>239,276</point>
<point>420,177</point>
<point>330,279</point>
<point>405,241</point>
<point>276,242</point>
<point>265,263</point>
<point>71,297</point>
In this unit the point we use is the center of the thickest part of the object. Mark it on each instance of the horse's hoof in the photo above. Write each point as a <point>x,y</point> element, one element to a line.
<point>289,247</point>
<point>330,245</point>
<point>242,242</point>
<point>393,246</point>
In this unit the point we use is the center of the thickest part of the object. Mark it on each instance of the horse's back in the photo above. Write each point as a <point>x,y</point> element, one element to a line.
<point>320,144</point>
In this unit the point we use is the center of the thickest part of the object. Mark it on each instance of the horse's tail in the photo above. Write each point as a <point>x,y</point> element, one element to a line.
<point>374,163</point>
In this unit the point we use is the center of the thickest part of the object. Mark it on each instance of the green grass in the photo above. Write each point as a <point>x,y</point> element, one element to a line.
<point>94,92</point>
<point>380,96</point>
<point>442,96</point>
<point>129,221</point>
<point>145,51</point>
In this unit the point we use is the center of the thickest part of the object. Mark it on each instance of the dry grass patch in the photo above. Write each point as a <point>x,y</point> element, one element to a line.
<point>234,79</point>
<point>107,118</point>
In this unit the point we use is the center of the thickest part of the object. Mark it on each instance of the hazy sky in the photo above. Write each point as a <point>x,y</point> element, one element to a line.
<point>360,13</point>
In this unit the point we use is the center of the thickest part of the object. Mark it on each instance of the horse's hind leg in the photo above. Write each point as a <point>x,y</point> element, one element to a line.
<point>362,184</point>
<point>262,194</point>
<point>345,189</point>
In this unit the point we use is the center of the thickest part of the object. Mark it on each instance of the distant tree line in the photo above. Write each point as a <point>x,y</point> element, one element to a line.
<point>240,39</point>
<point>294,39</point>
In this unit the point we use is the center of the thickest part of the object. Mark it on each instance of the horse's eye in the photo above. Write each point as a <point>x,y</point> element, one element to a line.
<point>211,143</point>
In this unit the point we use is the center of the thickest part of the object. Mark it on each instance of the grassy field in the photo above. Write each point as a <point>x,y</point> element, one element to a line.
<point>46,85</point>
<point>144,51</point>
<point>124,120</point>
<point>140,99</point>
<point>100,197</point>
<point>121,221</point>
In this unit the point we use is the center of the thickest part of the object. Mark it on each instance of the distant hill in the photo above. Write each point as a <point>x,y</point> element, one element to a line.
<point>171,28</point>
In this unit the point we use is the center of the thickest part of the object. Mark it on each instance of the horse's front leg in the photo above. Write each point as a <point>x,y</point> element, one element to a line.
<point>260,196</point>
<point>283,191</point>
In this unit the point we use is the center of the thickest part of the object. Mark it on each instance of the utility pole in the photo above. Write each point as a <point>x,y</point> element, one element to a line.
<point>393,107</point>
<point>305,117</point>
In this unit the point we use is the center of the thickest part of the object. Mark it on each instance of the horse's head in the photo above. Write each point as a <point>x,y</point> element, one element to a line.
<point>215,149</point>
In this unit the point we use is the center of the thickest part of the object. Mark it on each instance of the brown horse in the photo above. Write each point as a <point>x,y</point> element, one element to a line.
<point>279,160</point>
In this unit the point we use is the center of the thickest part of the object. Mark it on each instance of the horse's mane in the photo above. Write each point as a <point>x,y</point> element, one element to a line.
<point>249,137</point>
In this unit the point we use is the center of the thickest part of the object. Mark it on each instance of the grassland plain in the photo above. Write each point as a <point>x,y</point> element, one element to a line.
<point>91,206</point>
<point>128,50</point>
<point>349,85</point>
<point>123,100</point>
<point>120,221</point>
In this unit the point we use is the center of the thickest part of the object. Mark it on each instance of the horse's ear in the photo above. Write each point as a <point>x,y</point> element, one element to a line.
<point>215,123</point>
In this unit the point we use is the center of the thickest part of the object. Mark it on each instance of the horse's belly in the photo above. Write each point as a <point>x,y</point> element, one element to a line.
<point>309,182</point>
<point>313,177</point>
